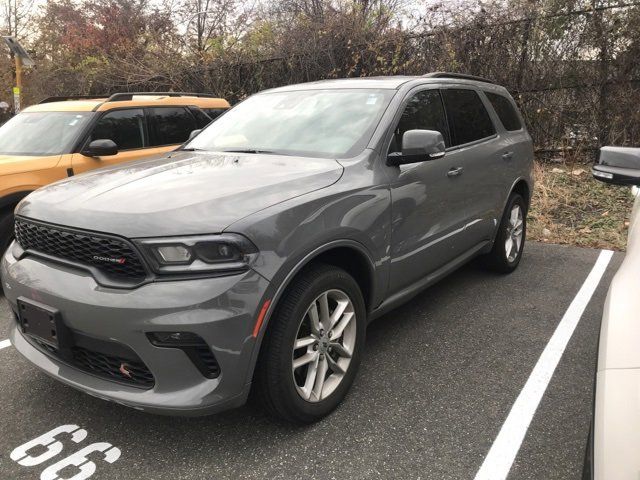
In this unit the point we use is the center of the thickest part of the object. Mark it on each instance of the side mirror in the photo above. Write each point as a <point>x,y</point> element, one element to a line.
<point>418,146</point>
<point>618,165</point>
<point>194,133</point>
<point>101,148</point>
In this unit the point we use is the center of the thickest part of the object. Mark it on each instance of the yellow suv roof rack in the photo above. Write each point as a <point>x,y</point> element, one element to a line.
<point>125,96</point>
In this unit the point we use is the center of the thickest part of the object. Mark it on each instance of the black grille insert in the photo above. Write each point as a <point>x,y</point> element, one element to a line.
<point>114,368</point>
<point>206,361</point>
<point>111,367</point>
<point>113,256</point>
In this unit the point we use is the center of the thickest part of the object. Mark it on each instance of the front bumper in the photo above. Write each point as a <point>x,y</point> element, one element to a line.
<point>222,311</point>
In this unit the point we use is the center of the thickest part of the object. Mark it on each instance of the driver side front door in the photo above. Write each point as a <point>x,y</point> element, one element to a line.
<point>428,199</point>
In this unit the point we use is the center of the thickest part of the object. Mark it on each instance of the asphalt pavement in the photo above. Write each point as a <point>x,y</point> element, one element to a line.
<point>440,376</point>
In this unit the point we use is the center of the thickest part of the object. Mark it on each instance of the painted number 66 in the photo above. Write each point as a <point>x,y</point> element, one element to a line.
<point>53,446</point>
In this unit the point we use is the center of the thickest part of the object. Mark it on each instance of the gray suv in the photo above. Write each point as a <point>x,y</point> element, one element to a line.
<point>252,259</point>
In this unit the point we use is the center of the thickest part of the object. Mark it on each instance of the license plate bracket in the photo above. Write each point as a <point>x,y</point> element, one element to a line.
<point>42,322</point>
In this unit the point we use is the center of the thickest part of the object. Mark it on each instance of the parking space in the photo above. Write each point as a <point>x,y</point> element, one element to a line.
<point>439,379</point>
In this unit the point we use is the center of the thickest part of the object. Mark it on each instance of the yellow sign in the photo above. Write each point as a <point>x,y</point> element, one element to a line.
<point>16,90</point>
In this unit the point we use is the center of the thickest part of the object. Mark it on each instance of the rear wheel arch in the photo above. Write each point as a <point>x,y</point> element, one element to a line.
<point>522,188</point>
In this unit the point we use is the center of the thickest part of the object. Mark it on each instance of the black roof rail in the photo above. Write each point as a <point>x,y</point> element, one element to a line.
<point>72,97</point>
<point>119,97</point>
<point>462,76</point>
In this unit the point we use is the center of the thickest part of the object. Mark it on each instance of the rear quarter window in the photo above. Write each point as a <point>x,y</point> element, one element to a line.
<point>202,119</point>
<point>505,110</point>
<point>214,112</point>
<point>468,118</point>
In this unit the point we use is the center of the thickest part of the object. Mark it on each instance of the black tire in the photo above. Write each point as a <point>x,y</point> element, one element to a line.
<point>6,229</point>
<point>274,386</point>
<point>497,259</point>
<point>6,233</point>
<point>587,469</point>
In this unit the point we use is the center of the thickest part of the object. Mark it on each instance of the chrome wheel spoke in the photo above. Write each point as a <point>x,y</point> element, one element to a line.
<point>340,349</point>
<point>518,242</point>
<point>323,301</point>
<point>310,380</point>
<point>304,359</point>
<point>315,318</point>
<point>321,375</point>
<point>337,332</point>
<point>335,366</point>
<point>515,213</point>
<point>337,313</point>
<point>305,342</point>
<point>508,245</point>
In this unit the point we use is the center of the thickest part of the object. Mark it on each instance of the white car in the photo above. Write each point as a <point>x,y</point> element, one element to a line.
<point>614,447</point>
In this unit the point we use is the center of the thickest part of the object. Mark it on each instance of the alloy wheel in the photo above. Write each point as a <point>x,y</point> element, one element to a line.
<point>515,230</point>
<point>324,345</point>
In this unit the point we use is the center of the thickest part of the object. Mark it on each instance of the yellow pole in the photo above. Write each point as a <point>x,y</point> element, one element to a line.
<point>18,90</point>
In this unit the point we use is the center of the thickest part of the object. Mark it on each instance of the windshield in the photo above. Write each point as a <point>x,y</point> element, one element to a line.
<point>42,133</point>
<point>319,123</point>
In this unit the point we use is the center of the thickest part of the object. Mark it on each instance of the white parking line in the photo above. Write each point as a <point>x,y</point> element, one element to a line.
<point>4,344</point>
<point>505,447</point>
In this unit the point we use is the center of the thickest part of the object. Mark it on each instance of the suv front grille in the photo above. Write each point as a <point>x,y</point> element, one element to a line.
<point>113,256</point>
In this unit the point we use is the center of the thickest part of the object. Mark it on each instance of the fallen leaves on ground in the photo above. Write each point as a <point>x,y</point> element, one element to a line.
<point>570,207</point>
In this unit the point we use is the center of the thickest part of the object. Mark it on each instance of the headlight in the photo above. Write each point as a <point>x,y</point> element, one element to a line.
<point>226,252</point>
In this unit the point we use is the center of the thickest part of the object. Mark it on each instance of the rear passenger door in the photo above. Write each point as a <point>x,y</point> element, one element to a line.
<point>475,149</point>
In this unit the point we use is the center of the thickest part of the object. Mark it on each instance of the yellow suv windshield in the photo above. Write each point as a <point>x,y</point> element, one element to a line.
<point>42,133</point>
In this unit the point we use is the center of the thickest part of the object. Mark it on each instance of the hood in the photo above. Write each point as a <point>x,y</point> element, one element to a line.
<point>180,194</point>
<point>10,164</point>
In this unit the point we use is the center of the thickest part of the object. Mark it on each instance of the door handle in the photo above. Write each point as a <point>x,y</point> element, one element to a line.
<point>507,156</point>
<point>454,171</point>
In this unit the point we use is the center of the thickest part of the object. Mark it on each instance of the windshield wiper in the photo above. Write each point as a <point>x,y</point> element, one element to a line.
<point>191,149</point>
<point>246,150</point>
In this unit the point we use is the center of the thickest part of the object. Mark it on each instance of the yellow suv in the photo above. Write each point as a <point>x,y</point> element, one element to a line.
<point>64,136</point>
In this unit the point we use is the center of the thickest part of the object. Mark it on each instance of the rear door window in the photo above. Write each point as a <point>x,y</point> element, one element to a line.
<point>468,118</point>
<point>170,125</point>
<point>124,127</point>
<point>505,110</point>
<point>423,112</point>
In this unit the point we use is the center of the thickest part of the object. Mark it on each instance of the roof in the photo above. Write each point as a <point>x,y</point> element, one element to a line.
<point>101,104</point>
<point>391,82</point>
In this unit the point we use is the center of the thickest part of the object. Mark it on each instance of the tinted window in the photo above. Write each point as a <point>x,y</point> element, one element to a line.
<point>124,127</point>
<point>468,119</point>
<point>202,119</point>
<point>170,126</point>
<point>423,112</point>
<point>214,112</point>
<point>505,110</point>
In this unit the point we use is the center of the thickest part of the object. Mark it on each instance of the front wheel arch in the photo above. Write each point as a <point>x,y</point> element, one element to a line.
<point>315,256</point>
